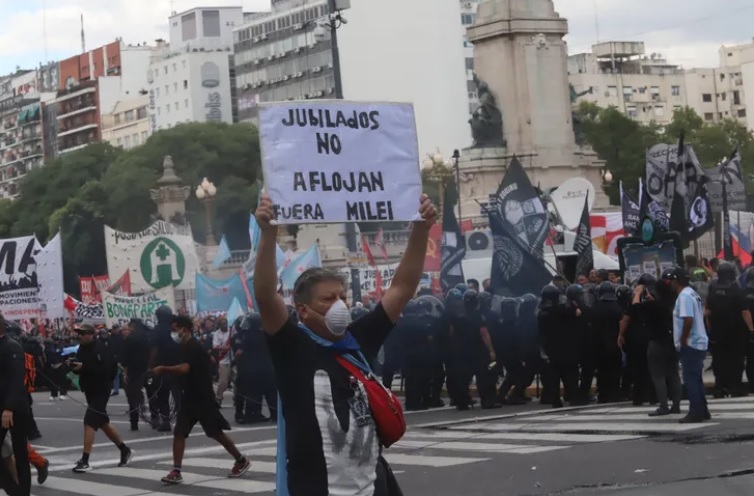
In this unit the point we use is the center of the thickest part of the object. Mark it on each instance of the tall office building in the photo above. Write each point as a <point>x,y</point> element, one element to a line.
<point>192,78</point>
<point>390,50</point>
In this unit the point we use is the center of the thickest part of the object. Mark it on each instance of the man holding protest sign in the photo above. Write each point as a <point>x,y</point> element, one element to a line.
<point>330,438</point>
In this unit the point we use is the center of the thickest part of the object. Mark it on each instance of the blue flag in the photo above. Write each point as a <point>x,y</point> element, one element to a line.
<point>307,260</point>
<point>235,311</point>
<point>222,255</point>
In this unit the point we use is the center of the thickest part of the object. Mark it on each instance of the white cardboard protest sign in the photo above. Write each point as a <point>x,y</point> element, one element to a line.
<point>119,310</point>
<point>339,161</point>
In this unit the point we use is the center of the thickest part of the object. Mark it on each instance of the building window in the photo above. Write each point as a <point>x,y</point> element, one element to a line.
<point>167,89</point>
<point>736,98</point>
<point>631,112</point>
<point>129,115</point>
<point>144,135</point>
<point>185,84</point>
<point>612,91</point>
<point>175,86</point>
<point>723,96</point>
<point>116,118</point>
<point>135,137</point>
<point>709,116</point>
<point>127,141</point>
<point>165,69</point>
<point>120,142</point>
<point>141,113</point>
<point>467,19</point>
<point>188,26</point>
<point>469,63</point>
<point>175,67</point>
<point>157,92</point>
<point>659,111</point>
<point>628,93</point>
<point>742,112</point>
<point>706,97</point>
<point>675,90</point>
<point>211,23</point>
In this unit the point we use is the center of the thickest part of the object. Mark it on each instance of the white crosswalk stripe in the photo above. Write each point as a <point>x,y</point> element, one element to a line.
<point>431,447</point>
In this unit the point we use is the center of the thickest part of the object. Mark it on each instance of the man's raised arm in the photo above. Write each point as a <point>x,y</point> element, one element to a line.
<point>410,269</point>
<point>271,305</point>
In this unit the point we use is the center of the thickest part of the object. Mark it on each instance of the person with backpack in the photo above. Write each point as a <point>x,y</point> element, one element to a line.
<point>97,368</point>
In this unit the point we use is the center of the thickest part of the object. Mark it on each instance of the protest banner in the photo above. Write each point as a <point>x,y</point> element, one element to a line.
<point>368,277</point>
<point>83,312</point>
<point>162,255</point>
<point>19,280</point>
<point>337,161</point>
<point>92,287</point>
<point>119,310</point>
<point>50,276</point>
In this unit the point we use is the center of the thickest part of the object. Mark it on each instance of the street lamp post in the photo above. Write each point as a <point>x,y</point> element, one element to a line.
<point>206,193</point>
<point>335,20</point>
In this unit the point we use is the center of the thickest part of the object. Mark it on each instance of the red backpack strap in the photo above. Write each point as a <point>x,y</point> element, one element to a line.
<point>351,368</point>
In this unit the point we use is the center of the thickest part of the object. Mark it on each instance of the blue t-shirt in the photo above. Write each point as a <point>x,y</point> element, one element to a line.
<point>689,304</point>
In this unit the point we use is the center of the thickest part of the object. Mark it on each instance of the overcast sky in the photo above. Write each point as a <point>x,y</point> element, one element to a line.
<point>688,32</point>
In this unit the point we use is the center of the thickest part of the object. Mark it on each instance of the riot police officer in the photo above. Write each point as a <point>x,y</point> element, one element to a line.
<point>457,350</point>
<point>261,373</point>
<point>730,326</point>
<point>415,332</point>
<point>507,342</point>
<point>559,327</point>
<point>606,316</point>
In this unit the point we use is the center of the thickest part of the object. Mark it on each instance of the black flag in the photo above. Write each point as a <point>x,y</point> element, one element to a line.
<point>727,238</point>
<point>520,209</point>
<point>453,246</point>
<point>583,243</point>
<point>678,220</point>
<point>654,212</point>
<point>516,270</point>
<point>700,216</point>
<point>631,213</point>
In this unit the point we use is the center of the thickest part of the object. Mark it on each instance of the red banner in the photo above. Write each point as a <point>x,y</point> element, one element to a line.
<point>121,287</point>
<point>92,287</point>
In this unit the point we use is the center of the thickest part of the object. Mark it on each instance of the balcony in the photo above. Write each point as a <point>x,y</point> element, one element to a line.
<point>83,89</point>
<point>79,106</point>
<point>76,128</point>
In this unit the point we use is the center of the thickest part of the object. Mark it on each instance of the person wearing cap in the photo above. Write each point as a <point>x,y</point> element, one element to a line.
<point>96,368</point>
<point>691,341</point>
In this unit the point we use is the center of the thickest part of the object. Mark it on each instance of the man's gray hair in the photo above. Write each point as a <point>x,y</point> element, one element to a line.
<point>302,290</point>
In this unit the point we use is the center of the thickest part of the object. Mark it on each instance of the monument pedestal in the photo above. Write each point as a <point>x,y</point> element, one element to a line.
<point>482,170</point>
<point>520,54</point>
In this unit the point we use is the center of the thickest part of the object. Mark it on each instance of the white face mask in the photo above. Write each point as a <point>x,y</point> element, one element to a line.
<point>175,336</point>
<point>337,318</point>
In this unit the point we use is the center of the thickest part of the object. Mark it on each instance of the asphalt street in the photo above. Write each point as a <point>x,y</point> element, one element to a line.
<point>530,450</point>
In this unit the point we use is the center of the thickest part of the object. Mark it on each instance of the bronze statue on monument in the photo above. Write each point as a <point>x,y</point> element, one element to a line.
<point>487,120</point>
<point>578,127</point>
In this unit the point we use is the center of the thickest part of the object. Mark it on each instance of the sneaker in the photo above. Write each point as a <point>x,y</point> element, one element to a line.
<point>240,468</point>
<point>125,457</point>
<point>660,412</point>
<point>52,398</point>
<point>62,397</point>
<point>174,477</point>
<point>81,467</point>
<point>43,472</point>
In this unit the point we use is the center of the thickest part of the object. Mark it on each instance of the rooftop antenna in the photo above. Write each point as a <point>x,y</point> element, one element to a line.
<point>83,38</point>
<point>44,28</point>
<point>596,22</point>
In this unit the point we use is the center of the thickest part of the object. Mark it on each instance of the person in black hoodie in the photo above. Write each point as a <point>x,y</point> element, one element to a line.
<point>165,352</point>
<point>55,369</point>
<point>652,305</point>
<point>15,406</point>
<point>96,368</point>
<point>134,358</point>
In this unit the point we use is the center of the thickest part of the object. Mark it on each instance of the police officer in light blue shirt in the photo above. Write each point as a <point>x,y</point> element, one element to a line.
<point>691,341</point>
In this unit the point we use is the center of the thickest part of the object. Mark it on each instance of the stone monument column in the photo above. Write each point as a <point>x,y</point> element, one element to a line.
<point>171,194</point>
<point>521,60</point>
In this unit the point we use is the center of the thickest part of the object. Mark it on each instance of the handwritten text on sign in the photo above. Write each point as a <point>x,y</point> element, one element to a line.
<point>336,161</point>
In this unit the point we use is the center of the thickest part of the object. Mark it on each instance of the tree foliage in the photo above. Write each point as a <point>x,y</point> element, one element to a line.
<point>99,185</point>
<point>622,142</point>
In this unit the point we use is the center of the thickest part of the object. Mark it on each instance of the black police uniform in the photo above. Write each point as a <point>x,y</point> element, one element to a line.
<point>726,304</point>
<point>561,332</point>
<point>605,316</point>
<point>416,331</point>
<point>262,383</point>
<point>748,291</point>
<point>168,353</point>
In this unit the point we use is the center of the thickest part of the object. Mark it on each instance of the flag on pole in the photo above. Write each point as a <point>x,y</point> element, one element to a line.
<point>583,243</point>
<point>222,255</point>
<point>379,240</point>
<point>307,260</point>
<point>453,246</point>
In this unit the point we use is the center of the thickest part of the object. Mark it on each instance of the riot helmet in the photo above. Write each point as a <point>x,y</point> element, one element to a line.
<point>606,291</point>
